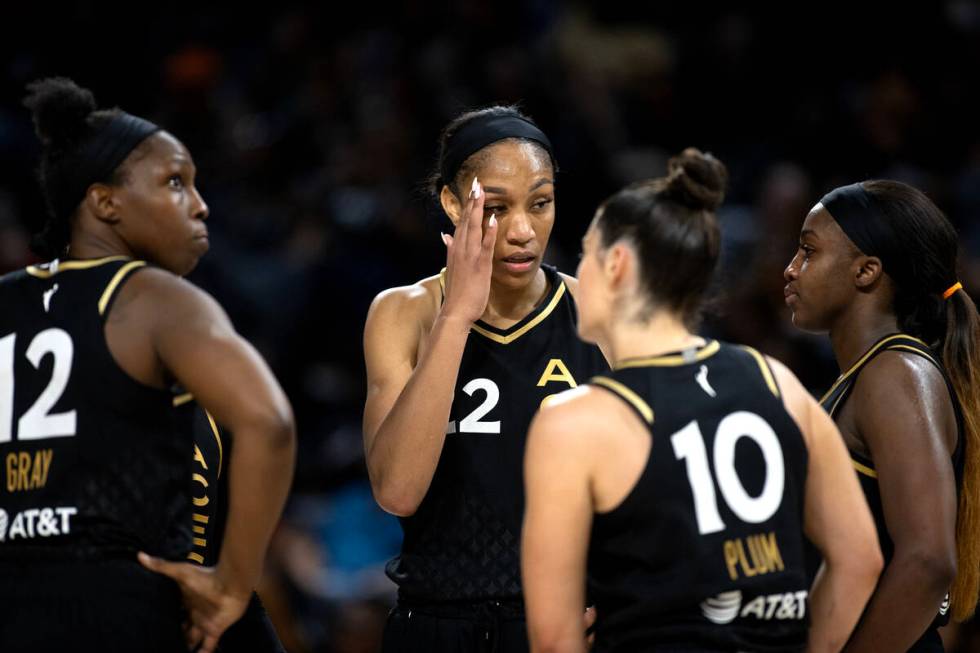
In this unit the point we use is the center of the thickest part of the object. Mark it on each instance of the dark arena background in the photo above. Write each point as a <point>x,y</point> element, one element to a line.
<point>314,128</point>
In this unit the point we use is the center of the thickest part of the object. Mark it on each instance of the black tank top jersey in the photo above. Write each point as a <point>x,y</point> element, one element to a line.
<point>706,551</point>
<point>208,480</point>
<point>834,400</point>
<point>462,544</point>
<point>94,463</point>
<point>254,631</point>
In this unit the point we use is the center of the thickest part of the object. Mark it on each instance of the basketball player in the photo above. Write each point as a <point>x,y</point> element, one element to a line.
<point>457,364</point>
<point>96,468</point>
<point>876,268</point>
<point>254,631</point>
<point>684,480</point>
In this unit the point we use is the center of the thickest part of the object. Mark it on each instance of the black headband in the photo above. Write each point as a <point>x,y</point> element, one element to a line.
<point>100,154</point>
<point>857,213</point>
<point>483,131</point>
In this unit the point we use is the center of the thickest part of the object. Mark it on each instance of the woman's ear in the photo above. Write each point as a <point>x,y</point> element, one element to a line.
<point>101,200</point>
<point>616,265</point>
<point>450,204</point>
<point>868,272</point>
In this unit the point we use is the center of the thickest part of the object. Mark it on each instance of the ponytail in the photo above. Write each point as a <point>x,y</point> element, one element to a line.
<point>961,357</point>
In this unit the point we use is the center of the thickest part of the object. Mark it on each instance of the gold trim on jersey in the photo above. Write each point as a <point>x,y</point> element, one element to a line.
<point>673,360</point>
<point>511,337</point>
<point>924,354</point>
<point>764,367</point>
<point>876,347</point>
<point>631,397</point>
<point>217,436</point>
<point>864,469</point>
<point>833,409</point>
<point>58,266</point>
<point>196,557</point>
<point>116,280</point>
<point>180,400</point>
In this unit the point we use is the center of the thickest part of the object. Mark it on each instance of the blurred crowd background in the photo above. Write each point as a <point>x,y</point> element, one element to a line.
<point>314,133</point>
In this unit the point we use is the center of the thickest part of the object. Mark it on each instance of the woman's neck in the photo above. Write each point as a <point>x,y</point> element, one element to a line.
<point>507,306</point>
<point>853,333</point>
<point>89,244</point>
<point>660,334</point>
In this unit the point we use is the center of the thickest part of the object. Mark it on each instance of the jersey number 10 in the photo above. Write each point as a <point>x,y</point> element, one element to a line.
<point>689,446</point>
<point>38,422</point>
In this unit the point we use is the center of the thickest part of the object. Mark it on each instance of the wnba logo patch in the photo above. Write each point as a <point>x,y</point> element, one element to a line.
<point>722,609</point>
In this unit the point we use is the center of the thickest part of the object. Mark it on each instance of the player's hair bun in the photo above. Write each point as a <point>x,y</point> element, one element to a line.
<point>696,180</point>
<point>60,110</point>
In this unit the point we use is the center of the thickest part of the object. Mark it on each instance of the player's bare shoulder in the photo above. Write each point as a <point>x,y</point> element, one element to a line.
<point>570,282</point>
<point>418,302</point>
<point>404,314</point>
<point>153,294</point>
<point>585,412</point>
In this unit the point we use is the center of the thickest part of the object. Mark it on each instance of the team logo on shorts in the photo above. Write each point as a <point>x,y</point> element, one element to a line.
<point>722,609</point>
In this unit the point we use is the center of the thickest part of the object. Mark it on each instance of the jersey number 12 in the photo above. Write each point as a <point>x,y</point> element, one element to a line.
<point>38,422</point>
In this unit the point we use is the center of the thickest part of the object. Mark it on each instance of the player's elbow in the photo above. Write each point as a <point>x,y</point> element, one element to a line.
<point>394,500</point>
<point>277,427</point>
<point>935,567</point>
<point>394,490</point>
<point>872,563</point>
<point>555,640</point>
<point>395,504</point>
<point>861,562</point>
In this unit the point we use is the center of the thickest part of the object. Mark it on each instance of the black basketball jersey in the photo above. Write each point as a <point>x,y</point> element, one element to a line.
<point>94,465</point>
<point>208,480</point>
<point>834,400</point>
<point>254,631</point>
<point>706,551</point>
<point>462,544</point>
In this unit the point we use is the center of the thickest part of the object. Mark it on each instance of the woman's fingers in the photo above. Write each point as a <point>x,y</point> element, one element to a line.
<point>490,235</point>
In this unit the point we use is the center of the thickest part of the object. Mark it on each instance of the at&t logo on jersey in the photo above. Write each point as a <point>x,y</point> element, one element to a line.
<point>725,607</point>
<point>36,522</point>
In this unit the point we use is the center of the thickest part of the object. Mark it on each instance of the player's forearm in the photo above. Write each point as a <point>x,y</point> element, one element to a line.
<point>405,451</point>
<point>552,638</point>
<point>837,598</point>
<point>904,603</point>
<point>260,474</point>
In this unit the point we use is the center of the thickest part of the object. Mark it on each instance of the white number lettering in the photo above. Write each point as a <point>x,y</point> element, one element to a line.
<point>471,423</point>
<point>688,444</point>
<point>7,387</point>
<point>37,423</point>
<point>730,430</point>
